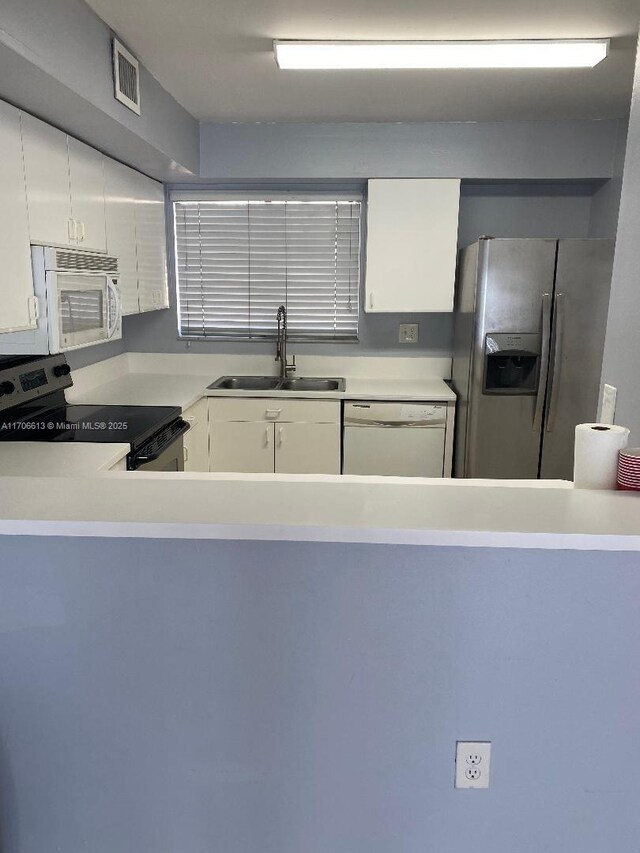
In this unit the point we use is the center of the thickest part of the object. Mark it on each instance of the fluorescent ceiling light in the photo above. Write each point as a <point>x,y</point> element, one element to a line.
<point>577,53</point>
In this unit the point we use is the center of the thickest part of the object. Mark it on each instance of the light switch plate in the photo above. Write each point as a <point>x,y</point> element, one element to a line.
<point>608,407</point>
<point>473,763</point>
<point>408,333</point>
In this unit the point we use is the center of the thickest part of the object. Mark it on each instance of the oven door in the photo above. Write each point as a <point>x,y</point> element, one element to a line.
<point>85,309</point>
<point>163,452</point>
<point>171,459</point>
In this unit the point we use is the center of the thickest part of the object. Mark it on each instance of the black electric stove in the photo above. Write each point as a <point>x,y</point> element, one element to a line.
<point>33,407</point>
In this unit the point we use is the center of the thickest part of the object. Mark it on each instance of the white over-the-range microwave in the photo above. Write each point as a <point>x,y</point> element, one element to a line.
<point>78,303</point>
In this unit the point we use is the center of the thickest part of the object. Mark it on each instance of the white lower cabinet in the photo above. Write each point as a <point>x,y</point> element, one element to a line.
<point>196,439</point>
<point>246,447</point>
<point>274,435</point>
<point>307,448</point>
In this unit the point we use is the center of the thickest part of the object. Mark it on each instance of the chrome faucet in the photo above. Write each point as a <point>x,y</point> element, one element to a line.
<point>281,344</point>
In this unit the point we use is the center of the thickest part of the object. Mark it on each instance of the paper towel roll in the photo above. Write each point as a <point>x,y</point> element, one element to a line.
<point>595,457</point>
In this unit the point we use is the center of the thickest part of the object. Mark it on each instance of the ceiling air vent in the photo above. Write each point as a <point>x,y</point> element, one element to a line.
<point>126,77</point>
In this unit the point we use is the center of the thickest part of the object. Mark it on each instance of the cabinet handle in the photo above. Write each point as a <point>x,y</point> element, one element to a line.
<point>371,300</point>
<point>72,228</point>
<point>272,414</point>
<point>185,453</point>
<point>280,436</point>
<point>34,308</point>
<point>81,231</point>
<point>266,437</point>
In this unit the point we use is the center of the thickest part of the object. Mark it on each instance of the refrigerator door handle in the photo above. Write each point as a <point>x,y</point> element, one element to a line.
<point>544,361</point>
<point>557,355</point>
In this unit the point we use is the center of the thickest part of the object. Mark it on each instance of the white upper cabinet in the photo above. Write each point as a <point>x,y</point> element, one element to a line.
<point>17,305</point>
<point>120,204</point>
<point>136,235</point>
<point>151,244</point>
<point>412,236</point>
<point>77,197</point>
<point>87,195</point>
<point>46,163</point>
<point>65,188</point>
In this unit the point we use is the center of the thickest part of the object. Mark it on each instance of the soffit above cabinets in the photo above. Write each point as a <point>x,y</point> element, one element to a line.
<point>216,58</point>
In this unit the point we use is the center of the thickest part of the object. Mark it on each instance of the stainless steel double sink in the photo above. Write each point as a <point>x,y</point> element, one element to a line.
<point>276,383</point>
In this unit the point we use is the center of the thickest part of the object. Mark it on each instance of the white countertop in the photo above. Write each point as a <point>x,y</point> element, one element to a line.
<point>513,514</point>
<point>145,389</point>
<point>159,389</point>
<point>62,459</point>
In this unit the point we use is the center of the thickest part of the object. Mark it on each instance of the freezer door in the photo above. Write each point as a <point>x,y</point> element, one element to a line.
<point>583,281</point>
<point>515,289</point>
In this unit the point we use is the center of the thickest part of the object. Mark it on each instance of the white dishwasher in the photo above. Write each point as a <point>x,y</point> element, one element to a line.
<point>394,439</point>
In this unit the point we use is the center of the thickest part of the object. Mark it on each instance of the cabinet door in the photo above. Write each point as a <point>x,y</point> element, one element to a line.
<point>46,164</point>
<point>303,448</point>
<point>244,446</point>
<point>16,283</point>
<point>196,439</point>
<point>151,245</point>
<point>412,236</point>
<point>121,229</point>
<point>86,176</point>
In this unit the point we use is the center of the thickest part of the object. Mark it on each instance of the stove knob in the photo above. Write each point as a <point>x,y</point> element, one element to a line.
<point>61,370</point>
<point>7,388</point>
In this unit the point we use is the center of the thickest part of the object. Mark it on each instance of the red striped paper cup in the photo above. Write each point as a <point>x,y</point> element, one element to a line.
<point>629,469</point>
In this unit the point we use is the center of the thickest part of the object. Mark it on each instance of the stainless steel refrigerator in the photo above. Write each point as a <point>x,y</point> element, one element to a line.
<point>530,322</point>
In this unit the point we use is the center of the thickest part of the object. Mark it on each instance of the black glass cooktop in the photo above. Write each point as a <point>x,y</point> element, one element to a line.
<point>105,424</point>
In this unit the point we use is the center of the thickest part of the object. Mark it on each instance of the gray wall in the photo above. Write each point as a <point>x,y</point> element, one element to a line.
<point>539,150</point>
<point>89,355</point>
<point>180,697</point>
<point>503,210</point>
<point>622,345</point>
<point>606,200</point>
<point>55,61</point>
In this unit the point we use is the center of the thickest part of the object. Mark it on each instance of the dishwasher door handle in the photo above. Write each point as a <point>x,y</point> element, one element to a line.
<point>440,423</point>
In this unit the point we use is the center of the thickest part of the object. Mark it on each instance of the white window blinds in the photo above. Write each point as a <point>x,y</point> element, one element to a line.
<point>238,260</point>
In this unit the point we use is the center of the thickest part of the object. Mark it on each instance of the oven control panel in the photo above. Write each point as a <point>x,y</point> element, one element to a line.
<point>25,379</point>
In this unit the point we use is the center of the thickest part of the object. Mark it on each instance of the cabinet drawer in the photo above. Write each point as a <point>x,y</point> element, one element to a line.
<point>274,409</point>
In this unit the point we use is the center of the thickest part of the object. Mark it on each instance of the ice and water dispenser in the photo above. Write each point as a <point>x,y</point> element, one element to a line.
<point>511,363</point>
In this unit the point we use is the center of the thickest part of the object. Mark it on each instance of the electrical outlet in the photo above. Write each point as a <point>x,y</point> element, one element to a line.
<point>608,406</point>
<point>473,764</point>
<point>408,333</point>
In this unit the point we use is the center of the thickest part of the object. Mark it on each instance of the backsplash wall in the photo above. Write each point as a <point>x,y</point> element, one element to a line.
<point>501,210</point>
<point>507,209</point>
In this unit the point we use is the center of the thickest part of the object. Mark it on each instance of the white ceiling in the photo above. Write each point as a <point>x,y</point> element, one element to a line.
<point>215,57</point>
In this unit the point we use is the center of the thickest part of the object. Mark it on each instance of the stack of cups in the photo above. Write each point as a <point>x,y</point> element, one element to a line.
<point>629,469</point>
<point>596,455</point>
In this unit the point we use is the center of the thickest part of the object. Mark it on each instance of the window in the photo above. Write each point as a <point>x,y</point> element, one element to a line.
<point>238,259</point>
